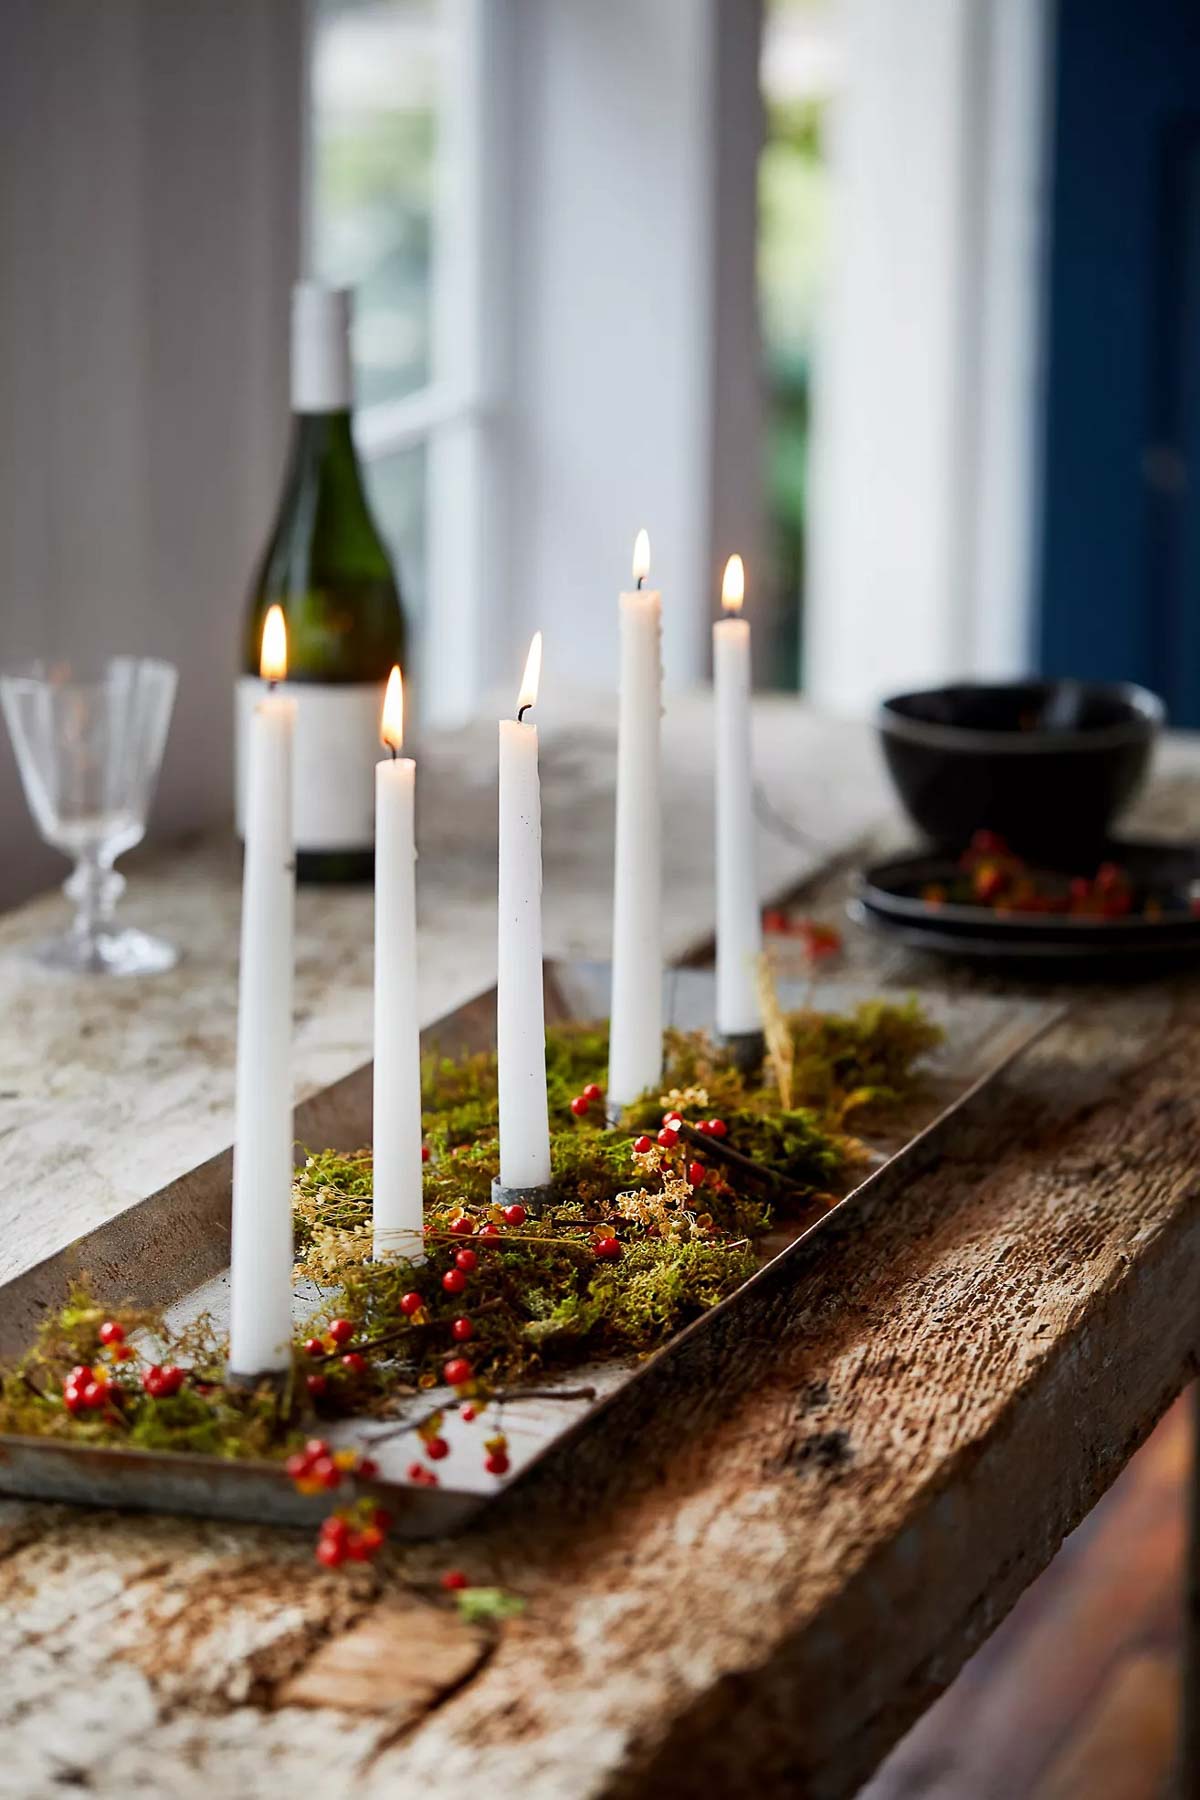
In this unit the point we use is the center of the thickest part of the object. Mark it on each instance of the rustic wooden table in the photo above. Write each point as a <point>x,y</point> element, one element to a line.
<point>750,1592</point>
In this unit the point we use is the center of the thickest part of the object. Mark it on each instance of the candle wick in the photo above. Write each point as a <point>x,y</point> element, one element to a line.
<point>641,579</point>
<point>272,684</point>
<point>522,710</point>
<point>392,748</point>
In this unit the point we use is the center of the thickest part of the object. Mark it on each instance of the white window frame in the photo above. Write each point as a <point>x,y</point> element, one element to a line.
<point>449,415</point>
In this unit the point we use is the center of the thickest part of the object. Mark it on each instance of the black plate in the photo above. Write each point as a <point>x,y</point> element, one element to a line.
<point>889,897</point>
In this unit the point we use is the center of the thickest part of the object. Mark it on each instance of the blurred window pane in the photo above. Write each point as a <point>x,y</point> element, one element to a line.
<point>800,74</point>
<point>376,77</point>
<point>396,485</point>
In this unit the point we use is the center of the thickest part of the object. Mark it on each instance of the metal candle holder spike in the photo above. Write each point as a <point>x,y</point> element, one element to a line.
<point>533,1199</point>
<point>747,1050</point>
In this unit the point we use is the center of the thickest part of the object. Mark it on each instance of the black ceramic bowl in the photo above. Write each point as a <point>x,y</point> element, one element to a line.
<point>1047,764</point>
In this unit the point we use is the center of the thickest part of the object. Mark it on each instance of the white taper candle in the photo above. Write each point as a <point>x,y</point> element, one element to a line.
<point>520,1009</point>
<point>635,1028</point>
<point>260,1324</point>
<point>398,1179</point>
<point>739,924</point>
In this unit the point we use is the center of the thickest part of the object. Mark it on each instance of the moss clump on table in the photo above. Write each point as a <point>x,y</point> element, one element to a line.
<point>630,1247</point>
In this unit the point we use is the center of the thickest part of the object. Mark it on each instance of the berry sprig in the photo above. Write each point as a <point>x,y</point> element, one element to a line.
<point>355,1532</point>
<point>97,1387</point>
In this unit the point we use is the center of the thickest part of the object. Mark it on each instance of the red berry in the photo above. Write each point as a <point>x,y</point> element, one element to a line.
<point>717,1128</point>
<point>424,1152</point>
<point>152,1381</point>
<point>436,1448</point>
<point>317,1385</point>
<point>642,1144</point>
<point>609,1247</point>
<point>370,1542</point>
<point>774,921</point>
<point>354,1362</point>
<point>80,1374</point>
<point>410,1303</point>
<point>111,1332</point>
<point>704,1127</point>
<point>579,1106</point>
<point>466,1260</point>
<point>72,1397</point>
<point>463,1227</point>
<point>454,1281</point>
<point>466,1413</point>
<point>453,1579</point>
<point>668,1137</point>
<point>330,1552</point>
<point>673,1119</point>
<point>416,1471</point>
<point>696,1173</point>
<point>989,882</point>
<point>95,1393</point>
<point>593,1091</point>
<point>457,1372</point>
<point>314,1447</point>
<point>172,1379</point>
<point>462,1331</point>
<point>314,1347</point>
<point>341,1331</point>
<point>326,1471</point>
<point>336,1527</point>
<point>496,1463</point>
<point>515,1214</point>
<point>297,1466</point>
<point>492,1230</point>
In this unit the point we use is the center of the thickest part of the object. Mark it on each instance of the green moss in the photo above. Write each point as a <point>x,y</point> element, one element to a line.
<point>540,1295</point>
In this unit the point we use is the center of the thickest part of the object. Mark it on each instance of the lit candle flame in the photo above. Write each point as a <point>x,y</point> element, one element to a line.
<point>272,664</point>
<point>733,587</point>
<point>533,673</point>
<point>641,557</point>
<point>391,728</point>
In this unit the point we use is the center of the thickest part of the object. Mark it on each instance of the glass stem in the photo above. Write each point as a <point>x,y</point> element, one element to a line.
<point>95,887</point>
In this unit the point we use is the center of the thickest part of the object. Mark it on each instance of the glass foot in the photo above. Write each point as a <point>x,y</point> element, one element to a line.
<point>127,952</point>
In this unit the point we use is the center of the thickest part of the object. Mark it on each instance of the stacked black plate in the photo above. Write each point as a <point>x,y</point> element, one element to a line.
<point>891,898</point>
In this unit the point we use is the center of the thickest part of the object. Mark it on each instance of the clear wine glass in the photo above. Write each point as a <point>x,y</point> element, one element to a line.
<point>89,744</point>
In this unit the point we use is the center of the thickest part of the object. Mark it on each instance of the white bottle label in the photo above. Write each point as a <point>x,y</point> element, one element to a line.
<point>337,747</point>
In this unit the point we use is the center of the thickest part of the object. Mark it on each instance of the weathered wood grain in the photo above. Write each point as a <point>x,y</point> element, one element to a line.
<point>727,1594</point>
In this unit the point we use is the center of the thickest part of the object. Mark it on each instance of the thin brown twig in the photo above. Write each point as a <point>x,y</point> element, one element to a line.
<point>500,1397</point>
<point>720,1148</point>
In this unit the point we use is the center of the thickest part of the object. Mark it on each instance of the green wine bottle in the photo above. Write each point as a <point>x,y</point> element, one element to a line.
<point>326,565</point>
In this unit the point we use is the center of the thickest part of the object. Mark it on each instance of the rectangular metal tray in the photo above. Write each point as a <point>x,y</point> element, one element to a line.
<point>171,1251</point>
